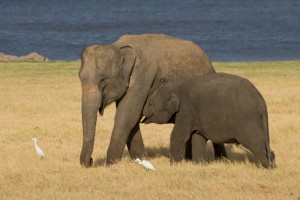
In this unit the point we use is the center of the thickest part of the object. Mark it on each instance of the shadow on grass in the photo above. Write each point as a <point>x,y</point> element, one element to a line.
<point>152,152</point>
<point>100,162</point>
<point>233,156</point>
<point>242,156</point>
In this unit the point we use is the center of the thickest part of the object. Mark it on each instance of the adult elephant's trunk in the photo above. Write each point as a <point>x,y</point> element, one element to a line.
<point>91,102</point>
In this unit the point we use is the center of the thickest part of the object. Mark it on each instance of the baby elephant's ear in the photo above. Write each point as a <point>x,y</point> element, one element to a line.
<point>173,104</point>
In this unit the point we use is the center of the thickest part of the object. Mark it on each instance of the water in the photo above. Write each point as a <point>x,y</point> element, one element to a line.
<point>232,30</point>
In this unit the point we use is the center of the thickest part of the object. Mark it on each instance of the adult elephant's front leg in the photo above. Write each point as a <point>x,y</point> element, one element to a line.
<point>135,143</point>
<point>129,112</point>
<point>126,123</point>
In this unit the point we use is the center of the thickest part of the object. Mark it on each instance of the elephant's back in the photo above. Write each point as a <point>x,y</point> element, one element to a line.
<point>226,85</point>
<point>177,59</point>
<point>225,95</point>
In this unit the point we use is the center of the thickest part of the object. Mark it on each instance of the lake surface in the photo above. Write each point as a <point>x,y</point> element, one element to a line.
<point>232,30</point>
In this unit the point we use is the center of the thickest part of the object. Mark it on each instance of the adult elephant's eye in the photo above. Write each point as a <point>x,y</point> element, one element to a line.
<point>101,83</point>
<point>101,80</point>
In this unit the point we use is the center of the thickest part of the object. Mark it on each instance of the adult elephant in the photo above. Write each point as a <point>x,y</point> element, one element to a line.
<point>128,71</point>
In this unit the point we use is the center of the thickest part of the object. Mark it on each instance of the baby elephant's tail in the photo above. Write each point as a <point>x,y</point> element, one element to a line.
<point>270,154</point>
<point>265,125</point>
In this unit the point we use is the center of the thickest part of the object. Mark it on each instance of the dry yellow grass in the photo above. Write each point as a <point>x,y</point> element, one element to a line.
<point>43,100</point>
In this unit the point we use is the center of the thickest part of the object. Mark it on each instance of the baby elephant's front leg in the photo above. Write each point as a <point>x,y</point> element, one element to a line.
<point>198,147</point>
<point>179,136</point>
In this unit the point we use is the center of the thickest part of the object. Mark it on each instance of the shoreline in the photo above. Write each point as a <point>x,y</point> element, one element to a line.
<point>36,57</point>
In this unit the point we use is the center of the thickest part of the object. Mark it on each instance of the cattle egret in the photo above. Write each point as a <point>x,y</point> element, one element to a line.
<point>145,163</point>
<point>39,151</point>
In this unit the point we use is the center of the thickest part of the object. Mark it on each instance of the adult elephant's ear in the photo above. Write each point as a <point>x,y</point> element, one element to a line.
<point>172,105</point>
<point>129,58</point>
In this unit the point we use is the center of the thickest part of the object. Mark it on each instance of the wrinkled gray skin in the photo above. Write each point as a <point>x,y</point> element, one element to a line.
<point>126,72</point>
<point>219,107</point>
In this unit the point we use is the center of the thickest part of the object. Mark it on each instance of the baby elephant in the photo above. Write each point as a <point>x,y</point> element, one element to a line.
<point>219,107</point>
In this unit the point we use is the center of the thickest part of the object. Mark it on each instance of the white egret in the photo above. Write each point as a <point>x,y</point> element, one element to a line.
<point>39,151</point>
<point>145,163</point>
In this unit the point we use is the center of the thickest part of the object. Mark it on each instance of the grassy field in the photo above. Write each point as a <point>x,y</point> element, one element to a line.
<point>43,100</point>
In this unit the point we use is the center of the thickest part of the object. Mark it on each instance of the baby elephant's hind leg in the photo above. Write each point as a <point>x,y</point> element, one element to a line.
<point>257,145</point>
<point>261,155</point>
<point>198,147</point>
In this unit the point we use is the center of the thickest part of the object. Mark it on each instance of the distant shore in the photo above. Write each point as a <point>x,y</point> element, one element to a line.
<point>33,56</point>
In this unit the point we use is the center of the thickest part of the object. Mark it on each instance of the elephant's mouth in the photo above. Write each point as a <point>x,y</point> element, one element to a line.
<point>101,109</point>
<point>153,119</point>
<point>102,106</point>
<point>104,103</point>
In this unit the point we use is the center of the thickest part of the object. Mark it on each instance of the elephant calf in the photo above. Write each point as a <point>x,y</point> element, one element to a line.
<point>219,107</point>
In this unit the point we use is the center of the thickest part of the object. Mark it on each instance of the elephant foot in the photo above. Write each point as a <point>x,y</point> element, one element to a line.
<point>176,160</point>
<point>173,163</point>
<point>114,152</point>
<point>88,164</point>
<point>111,162</point>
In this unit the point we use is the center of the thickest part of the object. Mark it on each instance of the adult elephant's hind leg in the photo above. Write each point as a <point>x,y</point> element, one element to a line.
<point>135,143</point>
